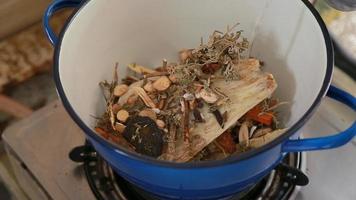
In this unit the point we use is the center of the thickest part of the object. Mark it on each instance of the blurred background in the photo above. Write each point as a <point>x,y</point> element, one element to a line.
<point>26,61</point>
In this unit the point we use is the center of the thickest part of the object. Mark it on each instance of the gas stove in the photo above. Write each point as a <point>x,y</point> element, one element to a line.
<point>39,148</point>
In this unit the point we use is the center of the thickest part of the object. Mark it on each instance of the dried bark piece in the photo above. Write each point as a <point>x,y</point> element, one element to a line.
<point>145,98</point>
<point>227,142</point>
<point>244,94</point>
<point>148,113</point>
<point>122,115</point>
<point>244,134</point>
<point>162,84</point>
<point>161,104</point>
<point>120,90</point>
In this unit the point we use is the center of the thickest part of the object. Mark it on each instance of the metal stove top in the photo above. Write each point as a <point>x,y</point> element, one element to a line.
<point>38,148</point>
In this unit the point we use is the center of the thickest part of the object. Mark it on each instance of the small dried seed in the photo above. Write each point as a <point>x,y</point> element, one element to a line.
<point>120,90</point>
<point>148,113</point>
<point>161,104</point>
<point>122,115</point>
<point>162,83</point>
<point>116,108</point>
<point>132,99</point>
<point>160,123</point>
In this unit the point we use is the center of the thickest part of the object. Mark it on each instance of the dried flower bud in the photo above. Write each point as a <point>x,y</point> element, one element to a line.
<point>162,83</point>
<point>120,90</point>
<point>122,115</point>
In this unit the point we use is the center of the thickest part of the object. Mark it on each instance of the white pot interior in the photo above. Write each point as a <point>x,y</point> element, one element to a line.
<point>284,34</point>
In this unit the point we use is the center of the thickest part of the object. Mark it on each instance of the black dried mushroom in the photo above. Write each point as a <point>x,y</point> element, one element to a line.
<point>144,134</point>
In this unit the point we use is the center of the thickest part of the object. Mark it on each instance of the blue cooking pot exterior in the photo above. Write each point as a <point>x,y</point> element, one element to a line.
<point>207,180</point>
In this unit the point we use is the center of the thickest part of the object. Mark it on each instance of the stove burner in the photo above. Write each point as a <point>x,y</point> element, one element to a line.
<point>106,184</point>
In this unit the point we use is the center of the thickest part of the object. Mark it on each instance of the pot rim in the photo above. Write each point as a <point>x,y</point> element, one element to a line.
<point>233,159</point>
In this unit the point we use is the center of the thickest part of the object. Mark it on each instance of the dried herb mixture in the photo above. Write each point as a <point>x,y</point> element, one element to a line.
<point>153,109</point>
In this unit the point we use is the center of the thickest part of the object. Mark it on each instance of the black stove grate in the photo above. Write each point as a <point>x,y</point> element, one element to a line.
<point>107,185</point>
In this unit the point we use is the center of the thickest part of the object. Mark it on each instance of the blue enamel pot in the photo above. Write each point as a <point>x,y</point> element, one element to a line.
<point>288,35</point>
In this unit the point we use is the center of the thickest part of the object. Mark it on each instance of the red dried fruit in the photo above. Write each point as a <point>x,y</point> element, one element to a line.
<point>210,68</point>
<point>226,141</point>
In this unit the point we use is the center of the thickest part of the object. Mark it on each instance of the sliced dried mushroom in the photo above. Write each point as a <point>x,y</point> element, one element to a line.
<point>144,134</point>
<point>148,113</point>
<point>208,96</point>
<point>122,115</point>
<point>260,141</point>
<point>120,90</point>
<point>162,84</point>
<point>149,87</point>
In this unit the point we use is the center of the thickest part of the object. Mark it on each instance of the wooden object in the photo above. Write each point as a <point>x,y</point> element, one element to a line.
<point>13,107</point>
<point>245,93</point>
<point>18,14</point>
<point>26,53</point>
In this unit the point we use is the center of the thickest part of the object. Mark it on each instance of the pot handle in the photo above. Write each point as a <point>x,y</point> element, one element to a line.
<point>328,142</point>
<point>51,9</point>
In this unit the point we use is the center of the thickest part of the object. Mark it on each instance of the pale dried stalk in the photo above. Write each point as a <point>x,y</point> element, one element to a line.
<point>140,69</point>
<point>145,98</point>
